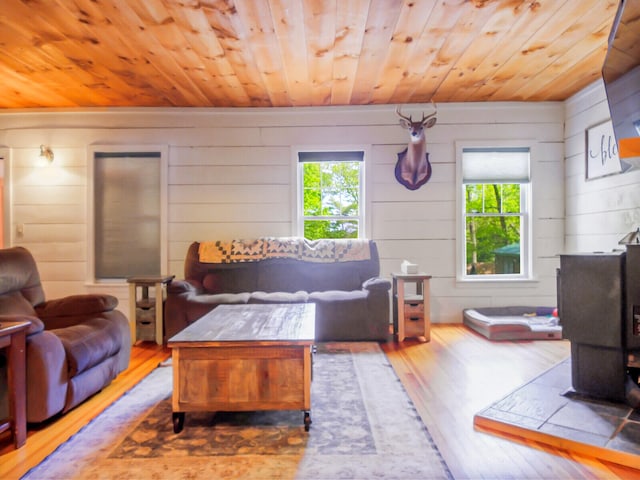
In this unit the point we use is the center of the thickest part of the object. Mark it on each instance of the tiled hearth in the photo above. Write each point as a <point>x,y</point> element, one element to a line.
<point>547,410</point>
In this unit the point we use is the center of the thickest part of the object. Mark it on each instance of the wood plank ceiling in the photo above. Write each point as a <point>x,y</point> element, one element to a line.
<point>281,53</point>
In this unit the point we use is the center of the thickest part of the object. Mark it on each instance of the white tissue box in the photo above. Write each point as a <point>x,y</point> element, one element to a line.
<point>408,267</point>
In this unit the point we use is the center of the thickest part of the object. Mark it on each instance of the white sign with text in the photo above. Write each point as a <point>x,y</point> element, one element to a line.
<point>602,151</point>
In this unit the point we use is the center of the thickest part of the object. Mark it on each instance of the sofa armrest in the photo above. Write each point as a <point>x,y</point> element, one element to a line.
<point>377,283</point>
<point>176,287</point>
<point>76,306</point>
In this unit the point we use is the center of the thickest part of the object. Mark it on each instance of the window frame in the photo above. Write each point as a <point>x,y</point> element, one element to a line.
<point>297,202</point>
<point>526,212</point>
<point>5,216</point>
<point>92,150</point>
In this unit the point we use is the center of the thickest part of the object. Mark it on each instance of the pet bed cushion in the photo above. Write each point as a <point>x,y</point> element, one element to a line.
<point>514,323</point>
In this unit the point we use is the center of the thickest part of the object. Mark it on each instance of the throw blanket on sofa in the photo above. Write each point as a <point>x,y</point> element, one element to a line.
<point>232,251</point>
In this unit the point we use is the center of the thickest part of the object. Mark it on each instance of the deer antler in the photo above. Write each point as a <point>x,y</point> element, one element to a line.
<point>404,117</point>
<point>424,119</point>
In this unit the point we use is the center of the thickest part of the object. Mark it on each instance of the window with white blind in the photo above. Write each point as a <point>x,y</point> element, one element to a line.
<point>331,194</point>
<point>127,214</point>
<point>495,213</point>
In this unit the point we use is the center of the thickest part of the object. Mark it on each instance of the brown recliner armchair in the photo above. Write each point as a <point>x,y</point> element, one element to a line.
<point>76,345</point>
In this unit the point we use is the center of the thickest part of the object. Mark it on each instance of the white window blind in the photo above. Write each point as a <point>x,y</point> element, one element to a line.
<point>495,165</point>
<point>127,214</point>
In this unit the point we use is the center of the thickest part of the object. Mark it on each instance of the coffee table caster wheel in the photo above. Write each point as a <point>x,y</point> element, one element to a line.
<point>307,421</point>
<point>178,422</point>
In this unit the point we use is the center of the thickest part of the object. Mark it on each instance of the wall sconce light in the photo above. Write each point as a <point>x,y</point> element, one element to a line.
<point>46,153</point>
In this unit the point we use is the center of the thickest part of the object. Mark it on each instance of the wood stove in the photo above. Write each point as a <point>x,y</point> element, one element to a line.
<point>599,308</point>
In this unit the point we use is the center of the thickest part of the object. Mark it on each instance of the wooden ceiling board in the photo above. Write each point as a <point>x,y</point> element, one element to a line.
<point>120,57</point>
<point>14,96</point>
<point>548,44</point>
<point>423,54</point>
<point>263,53</point>
<point>576,79</point>
<point>461,36</point>
<point>412,20</point>
<point>378,32</point>
<point>470,71</point>
<point>350,27</point>
<point>261,38</point>
<point>567,69</point>
<point>289,24</point>
<point>506,61</point>
<point>320,17</point>
<point>226,26</point>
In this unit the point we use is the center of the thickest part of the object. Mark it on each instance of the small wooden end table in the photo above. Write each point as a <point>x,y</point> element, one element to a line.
<point>411,312</point>
<point>147,312</point>
<point>244,358</point>
<point>13,338</point>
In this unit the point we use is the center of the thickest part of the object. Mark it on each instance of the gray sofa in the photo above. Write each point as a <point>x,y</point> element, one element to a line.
<point>352,302</point>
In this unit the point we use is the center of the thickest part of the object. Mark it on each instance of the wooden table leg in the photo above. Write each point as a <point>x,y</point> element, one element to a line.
<point>17,388</point>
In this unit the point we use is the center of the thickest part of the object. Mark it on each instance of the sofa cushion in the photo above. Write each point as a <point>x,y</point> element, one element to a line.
<point>338,296</point>
<point>295,275</point>
<point>230,279</point>
<point>89,343</point>
<point>220,298</point>
<point>279,276</point>
<point>330,276</point>
<point>345,315</point>
<point>279,297</point>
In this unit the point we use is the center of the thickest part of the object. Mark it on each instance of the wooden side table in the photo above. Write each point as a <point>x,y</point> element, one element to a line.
<point>146,312</point>
<point>411,312</point>
<point>13,338</point>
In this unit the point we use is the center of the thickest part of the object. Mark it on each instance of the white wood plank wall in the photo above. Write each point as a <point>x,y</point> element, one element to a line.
<point>230,175</point>
<point>599,212</point>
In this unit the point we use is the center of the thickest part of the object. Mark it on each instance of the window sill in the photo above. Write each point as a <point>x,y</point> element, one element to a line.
<point>497,281</point>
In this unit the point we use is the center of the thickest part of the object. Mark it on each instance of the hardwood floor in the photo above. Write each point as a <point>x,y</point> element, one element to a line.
<point>44,440</point>
<point>457,374</point>
<point>449,379</point>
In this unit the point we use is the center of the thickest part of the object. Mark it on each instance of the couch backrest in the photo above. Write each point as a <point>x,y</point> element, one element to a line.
<point>20,287</point>
<point>280,274</point>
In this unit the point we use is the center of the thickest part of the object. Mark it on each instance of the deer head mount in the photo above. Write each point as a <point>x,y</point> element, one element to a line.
<point>413,168</point>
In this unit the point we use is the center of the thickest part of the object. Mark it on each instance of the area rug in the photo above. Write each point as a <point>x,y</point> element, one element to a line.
<point>364,427</point>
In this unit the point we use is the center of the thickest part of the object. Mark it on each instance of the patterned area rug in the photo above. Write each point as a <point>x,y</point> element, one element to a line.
<point>364,426</point>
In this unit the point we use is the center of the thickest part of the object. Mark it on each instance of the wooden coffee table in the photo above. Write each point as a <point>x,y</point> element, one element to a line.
<point>244,358</point>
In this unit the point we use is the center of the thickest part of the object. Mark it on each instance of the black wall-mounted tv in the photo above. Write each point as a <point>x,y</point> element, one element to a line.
<point>621,75</point>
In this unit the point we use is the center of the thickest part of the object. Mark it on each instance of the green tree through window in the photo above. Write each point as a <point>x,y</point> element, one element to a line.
<point>492,225</point>
<point>331,206</point>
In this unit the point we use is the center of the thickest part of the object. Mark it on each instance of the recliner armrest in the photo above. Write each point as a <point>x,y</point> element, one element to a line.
<point>377,283</point>
<point>76,305</point>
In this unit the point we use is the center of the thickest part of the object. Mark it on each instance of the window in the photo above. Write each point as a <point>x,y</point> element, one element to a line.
<point>495,213</point>
<point>330,194</point>
<point>127,214</point>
